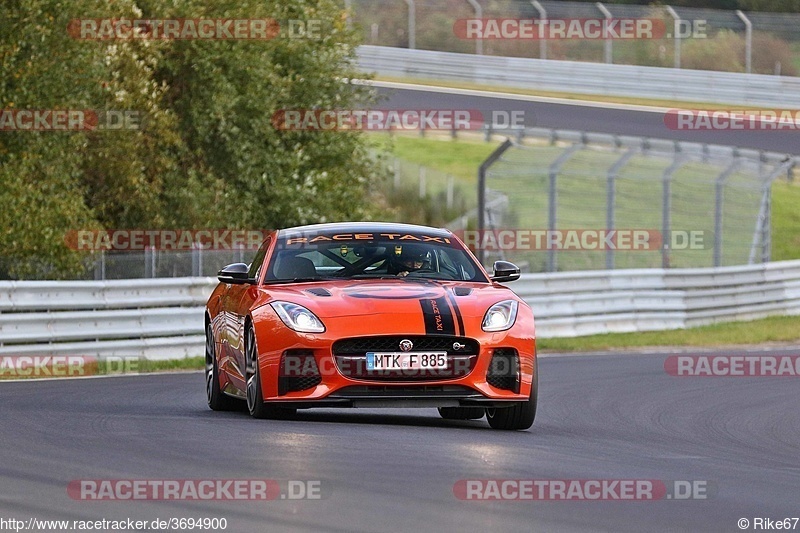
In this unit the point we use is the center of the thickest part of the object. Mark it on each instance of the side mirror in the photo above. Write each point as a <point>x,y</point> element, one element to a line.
<point>505,271</point>
<point>236,274</point>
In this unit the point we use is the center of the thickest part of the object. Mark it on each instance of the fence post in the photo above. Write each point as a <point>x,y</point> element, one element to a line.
<point>543,17</point>
<point>748,43</point>
<point>552,200</point>
<point>348,8</point>
<point>478,15</point>
<point>611,193</point>
<point>719,188</point>
<point>484,168</point>
<point>763,231</point>
<point>100,266</point>
<point>450,186</point>
<point>412,24</point>
<point>608,53</point>
<point>666,208</point>
<point>150,262</point>
<point>676,35</point>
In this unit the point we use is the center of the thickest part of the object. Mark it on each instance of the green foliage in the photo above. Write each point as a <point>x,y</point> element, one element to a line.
<point>206,153</point>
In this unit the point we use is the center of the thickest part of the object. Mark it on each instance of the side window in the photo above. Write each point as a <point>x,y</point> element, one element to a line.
<point>258,260</point>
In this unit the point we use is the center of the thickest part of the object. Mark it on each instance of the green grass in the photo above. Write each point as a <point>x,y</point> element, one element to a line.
<point>188,363</point>
<point>782,329</point>
<point>125,367</point>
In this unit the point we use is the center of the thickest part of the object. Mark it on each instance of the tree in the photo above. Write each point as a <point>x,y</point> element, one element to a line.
<point>205,154</point>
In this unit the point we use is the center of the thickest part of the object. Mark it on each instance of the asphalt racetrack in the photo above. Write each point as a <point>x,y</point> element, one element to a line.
<point>602,118</point>
<point>600,417</point>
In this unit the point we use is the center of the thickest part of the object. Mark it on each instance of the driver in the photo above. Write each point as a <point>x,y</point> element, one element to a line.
<point>411,258</point>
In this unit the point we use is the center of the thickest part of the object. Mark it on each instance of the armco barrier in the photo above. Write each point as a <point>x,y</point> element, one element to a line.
<point>163,318</point>
<point>782,92</point>
<point>158,318</point>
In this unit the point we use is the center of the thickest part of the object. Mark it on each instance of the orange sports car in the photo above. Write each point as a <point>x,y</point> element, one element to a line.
<point>371,315</point>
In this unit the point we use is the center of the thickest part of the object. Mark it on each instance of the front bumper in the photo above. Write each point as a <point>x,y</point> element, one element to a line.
<point>336,388</point>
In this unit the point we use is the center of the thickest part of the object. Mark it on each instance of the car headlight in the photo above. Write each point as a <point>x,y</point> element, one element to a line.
<point>298,318</point>
<point>500,316</point>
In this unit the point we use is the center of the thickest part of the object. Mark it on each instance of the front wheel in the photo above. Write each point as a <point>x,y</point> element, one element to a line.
<point>255,396</point>
<point>522,414</point>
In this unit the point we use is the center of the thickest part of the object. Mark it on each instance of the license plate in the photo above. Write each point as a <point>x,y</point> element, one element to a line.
<point>406,361</point>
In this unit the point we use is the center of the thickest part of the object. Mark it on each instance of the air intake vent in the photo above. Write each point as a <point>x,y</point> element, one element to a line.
<point>504,370</point>
<point>299,371</point>
<point>319,291</point>
<point>462,291</point>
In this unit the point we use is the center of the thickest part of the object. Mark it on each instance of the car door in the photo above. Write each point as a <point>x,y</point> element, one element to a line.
<point>239,301</point>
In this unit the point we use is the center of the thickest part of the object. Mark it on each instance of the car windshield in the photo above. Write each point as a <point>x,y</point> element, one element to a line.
<point>368,255</point>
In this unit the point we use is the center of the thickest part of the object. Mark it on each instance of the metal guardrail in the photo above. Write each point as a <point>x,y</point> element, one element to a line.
<point>569,304</point>
<point>585,78</point>
<point>163,319</point>
<point>153,318</point>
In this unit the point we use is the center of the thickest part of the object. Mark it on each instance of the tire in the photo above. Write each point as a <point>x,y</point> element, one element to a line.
<point>522,414</point>
<point>255,396</point>
<point>462,413</point>
<point>217,400</point>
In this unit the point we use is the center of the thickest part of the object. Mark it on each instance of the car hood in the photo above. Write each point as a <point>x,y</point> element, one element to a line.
<point>350,298</point>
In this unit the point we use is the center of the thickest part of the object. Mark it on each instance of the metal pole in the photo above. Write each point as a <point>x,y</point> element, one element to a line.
<point>676,34</point>
<point>666,209</point>
<point>609,50</point>
<point>412,24</point>
<point>450,186</point>
<point>479,15</point>
<point>748,46</point>
<point>762,232</point>
<point>543,17</point>
<point>552,199</point>
<point>484,168</point>
<point>719,188</point>
<point>611,192</point>
<point>348,9</point>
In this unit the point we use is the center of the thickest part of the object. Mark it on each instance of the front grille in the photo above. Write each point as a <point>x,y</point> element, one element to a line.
<point>351,356</point>
<point>439,343</point>
<point>503,370</point>
<point>299,371</point>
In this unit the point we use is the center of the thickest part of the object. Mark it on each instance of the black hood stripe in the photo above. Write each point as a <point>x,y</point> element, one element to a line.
<point>458,313</point>
<point>438,317</point>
